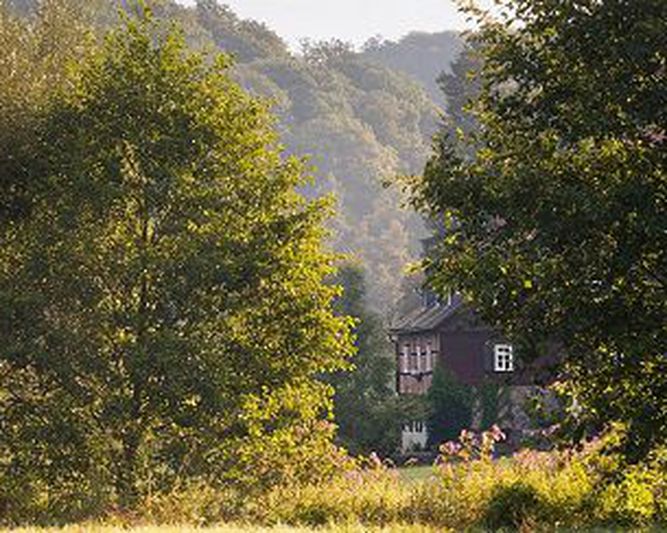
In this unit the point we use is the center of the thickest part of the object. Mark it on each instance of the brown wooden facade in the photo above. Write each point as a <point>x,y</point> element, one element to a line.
<point>451,336</point>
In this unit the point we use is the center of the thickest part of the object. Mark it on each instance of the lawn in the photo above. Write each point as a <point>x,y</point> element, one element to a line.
<point>414,474</point>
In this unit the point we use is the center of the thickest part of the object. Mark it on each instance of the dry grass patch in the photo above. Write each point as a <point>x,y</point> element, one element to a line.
<point>227,528</point>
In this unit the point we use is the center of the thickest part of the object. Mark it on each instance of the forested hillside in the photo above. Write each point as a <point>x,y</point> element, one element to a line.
<point>422,56</point>
<point>363,118</point>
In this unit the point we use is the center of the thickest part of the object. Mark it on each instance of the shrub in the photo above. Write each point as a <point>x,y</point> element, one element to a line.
<point>470,490</point>
<point>638,497</point>
<point>451,406</point>
<point>584,488</point>
<point>512,506</point>
<point>195,503</point>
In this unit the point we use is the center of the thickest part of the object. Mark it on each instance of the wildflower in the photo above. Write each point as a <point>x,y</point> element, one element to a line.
<point>450,448</point>
<point>497,433</point>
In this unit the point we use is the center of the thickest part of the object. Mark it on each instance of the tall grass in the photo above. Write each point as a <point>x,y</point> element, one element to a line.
<point>468,489</point>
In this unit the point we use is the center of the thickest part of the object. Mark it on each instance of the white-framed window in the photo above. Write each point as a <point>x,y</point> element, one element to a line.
<point>503,358</point>
<point>405,357</point>
<point>414,427</point>
<point>429,357</point>
<point>422,359</point>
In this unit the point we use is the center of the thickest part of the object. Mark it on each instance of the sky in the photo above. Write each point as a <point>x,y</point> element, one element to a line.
<point>350,20</point>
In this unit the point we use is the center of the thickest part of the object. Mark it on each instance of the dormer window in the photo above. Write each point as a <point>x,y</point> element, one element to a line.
<point>450,298</point>
<point>431,299</point>
<point>503,358</point>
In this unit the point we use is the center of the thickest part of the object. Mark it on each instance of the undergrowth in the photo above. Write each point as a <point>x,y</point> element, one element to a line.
<point>470,489</point>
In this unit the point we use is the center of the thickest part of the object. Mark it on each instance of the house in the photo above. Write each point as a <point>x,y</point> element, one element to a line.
<point>448,333</point>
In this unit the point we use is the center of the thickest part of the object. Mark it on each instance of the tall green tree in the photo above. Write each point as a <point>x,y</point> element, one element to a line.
<point>555,205</point>
<point>163,310</point>
<point>365,404</point>
<point>461,87</point>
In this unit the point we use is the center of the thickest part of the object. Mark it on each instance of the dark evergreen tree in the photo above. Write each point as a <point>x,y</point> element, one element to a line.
<point>365,405</point>
<point>461,87</point>
<point>450,405</point>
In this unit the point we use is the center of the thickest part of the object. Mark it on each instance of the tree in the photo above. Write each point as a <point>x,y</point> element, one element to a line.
<point>450,404</point>
<point>461,87</point>
<point>555,205</point>
<point>32,66</point>
<point>164,313</point>
<point>364,403</point>
<point>360,120</point>
<point>423,56</point>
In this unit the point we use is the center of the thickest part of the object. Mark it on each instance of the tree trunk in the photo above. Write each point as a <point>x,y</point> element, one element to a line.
<point>126,479</point>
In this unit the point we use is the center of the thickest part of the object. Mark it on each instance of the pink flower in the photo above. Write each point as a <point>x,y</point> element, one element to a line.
<point>450,448</point>
<point>497,433</point>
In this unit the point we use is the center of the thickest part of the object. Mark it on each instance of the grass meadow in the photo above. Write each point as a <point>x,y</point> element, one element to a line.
<point>588,489</point>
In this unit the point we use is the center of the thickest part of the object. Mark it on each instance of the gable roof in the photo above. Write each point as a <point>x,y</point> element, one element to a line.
<point>426,318</point>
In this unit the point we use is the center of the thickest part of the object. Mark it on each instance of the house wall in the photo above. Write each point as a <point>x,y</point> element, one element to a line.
<point>467,353</point>
<point>416,356</point>
<point>466,348</point>
<point>464,353</point>
<point>415,384</point>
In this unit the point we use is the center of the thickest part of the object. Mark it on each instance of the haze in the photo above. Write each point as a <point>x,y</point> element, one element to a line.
<point>350,20</point>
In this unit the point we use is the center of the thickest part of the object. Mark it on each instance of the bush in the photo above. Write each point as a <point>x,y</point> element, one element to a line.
<point>450,404</point>
<point>194,503</point>
<point>638,497</point>
<point>584,488</point>
<point>512,506</point>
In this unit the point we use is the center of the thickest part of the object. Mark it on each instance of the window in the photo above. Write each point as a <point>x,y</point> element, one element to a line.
<point>405,358</point>
<point>424,359</point>
<point>414,362</point>
<point>414,427</point>
<point>503,358</point>
<point>429,357</point>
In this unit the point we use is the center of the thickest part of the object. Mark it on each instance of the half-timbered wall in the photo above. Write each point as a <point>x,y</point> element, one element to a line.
<point>416,355</point>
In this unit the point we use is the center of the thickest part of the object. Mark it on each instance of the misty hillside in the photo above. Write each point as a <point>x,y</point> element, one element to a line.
<point>422,56</point>
<point>363,117</point>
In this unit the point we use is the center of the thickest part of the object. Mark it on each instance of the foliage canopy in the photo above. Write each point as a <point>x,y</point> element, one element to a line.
<point>164,312</point>
<point>555,205</point>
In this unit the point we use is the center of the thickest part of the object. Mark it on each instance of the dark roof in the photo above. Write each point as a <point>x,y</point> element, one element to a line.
<point>425,318</point>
